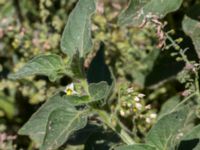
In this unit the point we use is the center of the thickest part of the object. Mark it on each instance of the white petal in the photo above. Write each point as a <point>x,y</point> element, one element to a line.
<point>70,86</point>
<point>141,95</point>
<point>130,90</point>
<point>153,115</point>
<point>137,99</point>
<point>138,106</point>
<point>148,120</point>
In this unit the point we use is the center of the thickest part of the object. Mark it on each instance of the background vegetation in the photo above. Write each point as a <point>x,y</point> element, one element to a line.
<point>138,57</point>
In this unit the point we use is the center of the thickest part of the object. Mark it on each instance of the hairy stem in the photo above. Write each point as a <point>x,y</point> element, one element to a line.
<point>125,137</point>
<point>184,101</point>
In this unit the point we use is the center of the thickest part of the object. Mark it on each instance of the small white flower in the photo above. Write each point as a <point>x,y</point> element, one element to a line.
<point>130,90</point>
<point>179,135</point>
<point>69,90</point>
<point>122,113</point>
<point>138,106</point>
<point>129,104</point>
<point>153,115</point>
<point>137,99</point>
<point>141,95</point>
<point>148,120</point>
<point>148,107</point>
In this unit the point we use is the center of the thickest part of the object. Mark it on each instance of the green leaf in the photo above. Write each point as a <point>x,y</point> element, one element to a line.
<point>99,90</point>
<point>36,125</point>
<point>194,133</point>
<point>191,139</point>
<point>77,32</point>
<point>169,105</point>
<point>192,28</point>
<point>162,133</point>
<point>139,9</point>
<point>77,100</point>
<point>49,65</point>
<point>136,147</point>
<point>62,122</point>
<point>77,66</point>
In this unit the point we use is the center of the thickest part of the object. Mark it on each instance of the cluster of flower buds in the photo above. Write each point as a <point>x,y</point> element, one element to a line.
<point>131,103</point>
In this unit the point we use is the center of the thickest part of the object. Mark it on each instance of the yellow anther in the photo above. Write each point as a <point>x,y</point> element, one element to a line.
<point>68,92</point>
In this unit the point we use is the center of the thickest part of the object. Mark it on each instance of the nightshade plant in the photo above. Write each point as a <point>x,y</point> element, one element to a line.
<point>89,97</point>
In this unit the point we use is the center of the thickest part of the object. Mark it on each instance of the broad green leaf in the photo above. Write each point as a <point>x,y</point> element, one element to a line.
<point>36,125</point>
<point>166,128</point>
<point>133,14</point>
<point>139,9</point>
<point>77,100</point>
<point>191,140</point>
<point>169,105</point>
<point>77,66</point>
<point>62,122</point>
<point>192,28</point>
<point>99,90</point>
<point>192,134</point>
<point>49,65</point>
<point>77,32</point>
<point>136,147</point>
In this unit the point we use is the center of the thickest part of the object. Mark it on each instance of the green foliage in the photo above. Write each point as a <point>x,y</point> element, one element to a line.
<point>77,33</point>
<point>169,105</point>
<point>134,87</point>
<point>62,122</point>
<point>163,133</point>
<point>191,28</point>
<point>98,91</point>
<point>36,126</point>
<point>138,10</point>
<point>49,65</point>
<point>136,147</point>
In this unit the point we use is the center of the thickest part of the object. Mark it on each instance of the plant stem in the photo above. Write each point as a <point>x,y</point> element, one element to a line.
<point>184,100</point>
<point>122,134</point>
<point>197,84</point>
<point>196,81</point>
<point>84,83</point>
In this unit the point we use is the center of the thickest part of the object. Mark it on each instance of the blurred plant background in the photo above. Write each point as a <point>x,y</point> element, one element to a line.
<point>32,27</point>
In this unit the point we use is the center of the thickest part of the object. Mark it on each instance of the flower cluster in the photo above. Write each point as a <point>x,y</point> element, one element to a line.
<point>131,104</point>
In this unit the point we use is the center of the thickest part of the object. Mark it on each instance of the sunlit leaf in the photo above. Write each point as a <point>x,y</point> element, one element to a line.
<point>36,125</point>
<point>77,32</point>
<point>192,28</point>
<point>48,65</point>
<point>139,9</point>
<point>62,122</point>
<point>99,90</point>
<point>164,131</point>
